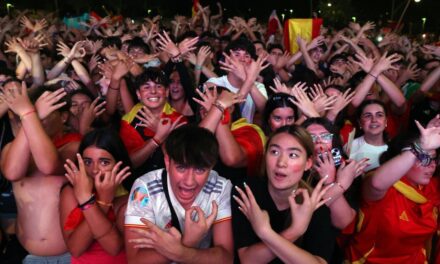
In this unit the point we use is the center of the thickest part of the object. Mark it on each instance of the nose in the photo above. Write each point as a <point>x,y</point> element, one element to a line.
<point>189,178</point>
<point>282,161</point>
<point>95,168</point>
<point>153,90</point>
<point>284,122</point>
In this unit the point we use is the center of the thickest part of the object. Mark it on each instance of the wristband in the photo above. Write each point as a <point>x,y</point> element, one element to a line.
<point>104,203</point>
<point>87,204</point>
<point>375,77</point>
<point>27,113</point>
<point>421,154</point>
<point>340,186</point>
<point>219,106</point>
<point>198,67</point>
<point>155,142</point>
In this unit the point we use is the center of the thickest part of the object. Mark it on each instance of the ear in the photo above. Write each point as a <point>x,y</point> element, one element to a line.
<point>138,95</point>
<point>167,91</point>
<point>167,161</point>
<point>309,164</point>
<point>65,116</point>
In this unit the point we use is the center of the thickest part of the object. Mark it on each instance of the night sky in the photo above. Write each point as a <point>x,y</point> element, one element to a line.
<point>361,9</point>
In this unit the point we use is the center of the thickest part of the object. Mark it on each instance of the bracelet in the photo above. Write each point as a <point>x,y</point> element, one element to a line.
<point>219,106</point>
<point>375,77</point>
<point>27,113</point>
<point>340,186</point>
<point>198,67</point>
<point>155,142</point>
<point>87,204</point>
<point>104,203</point>
<point>67,62</point>
<point>106,232</point>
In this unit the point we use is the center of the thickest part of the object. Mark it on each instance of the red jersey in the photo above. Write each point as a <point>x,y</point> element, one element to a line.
<point>396,228</point>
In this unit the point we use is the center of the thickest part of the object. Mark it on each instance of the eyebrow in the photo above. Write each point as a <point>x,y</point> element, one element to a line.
<point>278,146</point>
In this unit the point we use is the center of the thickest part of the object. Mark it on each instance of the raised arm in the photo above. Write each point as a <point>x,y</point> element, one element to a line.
<point>376,186</point>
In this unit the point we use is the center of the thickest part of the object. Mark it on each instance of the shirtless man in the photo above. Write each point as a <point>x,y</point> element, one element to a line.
<point>33,162</point>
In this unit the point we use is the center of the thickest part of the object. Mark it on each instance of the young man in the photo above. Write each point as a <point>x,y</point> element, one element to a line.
<point>33,162</point>
<point>241,52</point>
<point>149,122</point>
<point>186,196</point>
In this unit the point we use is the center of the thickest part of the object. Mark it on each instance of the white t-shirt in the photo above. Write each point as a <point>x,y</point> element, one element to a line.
<point>248,108</point>
<point>361,149</point>
<point>147,200</point>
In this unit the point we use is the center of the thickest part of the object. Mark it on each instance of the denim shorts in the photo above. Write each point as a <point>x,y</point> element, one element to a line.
<point>60,259</point>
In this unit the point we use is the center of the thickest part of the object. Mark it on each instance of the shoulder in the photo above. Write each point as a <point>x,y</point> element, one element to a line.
<point>150,182</point>
<point>216,184</point>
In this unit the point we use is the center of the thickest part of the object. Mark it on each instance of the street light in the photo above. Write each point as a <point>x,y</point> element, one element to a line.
<point>329,4</point>
<point>423,23</point>
<point>417,1</point>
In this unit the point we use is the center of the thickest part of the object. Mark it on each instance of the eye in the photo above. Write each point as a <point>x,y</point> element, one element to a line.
<point>380,114</point>
<point>290,119</point>
<point>276,118</point>
<point>87,162</point>
<point>105,162</point>
<point>200,170</point>
<point>293,155</point>
<point>274,152</point>
<point>180,168</point>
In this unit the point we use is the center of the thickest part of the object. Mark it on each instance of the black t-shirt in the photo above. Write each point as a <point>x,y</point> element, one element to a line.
<point>319,238</point>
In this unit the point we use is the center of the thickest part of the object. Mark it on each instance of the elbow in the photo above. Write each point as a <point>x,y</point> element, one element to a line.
<point>76,252</point>
<point>234,160</point>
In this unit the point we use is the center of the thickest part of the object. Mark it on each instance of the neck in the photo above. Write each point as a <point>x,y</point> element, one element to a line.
<point>178,104</point>
<point>375,140</point>
<point>157,111</point>
<point>234,81</point>
<point>281,197</point>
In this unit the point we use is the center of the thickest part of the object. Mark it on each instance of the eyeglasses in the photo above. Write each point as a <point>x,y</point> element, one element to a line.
<point>428,162</point>
<point>324,137</point>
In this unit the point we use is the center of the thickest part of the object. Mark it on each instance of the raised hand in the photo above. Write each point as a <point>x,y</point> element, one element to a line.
<point>342,101</point>
<point>148,119</point>
<point>90,112</point>
<point>231,64</point>
<point>109,181</point>
<point>204,52</point>
<point>429,137</point>
<point>165,242</point>
<point>280,87</point>
<point>167,45</point>
<point>49,102</point>
<point>165,127</point>
<point>247,204</point>
<point>188,45</point>
<point>325,165</point>
<point>349,170</point>
<point>17,99</point>
<point>302,213</point>
<point>303,102</point>
<point>364,62</point>
<point>196,229</point>
<point>82,183</point>
<point>207,98</point>
<point>386,62</point>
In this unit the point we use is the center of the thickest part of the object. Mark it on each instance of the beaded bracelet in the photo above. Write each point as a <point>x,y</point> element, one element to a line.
<point>219,106</point>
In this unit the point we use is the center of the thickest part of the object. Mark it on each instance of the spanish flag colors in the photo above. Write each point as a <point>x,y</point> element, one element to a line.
<point>307,28</point>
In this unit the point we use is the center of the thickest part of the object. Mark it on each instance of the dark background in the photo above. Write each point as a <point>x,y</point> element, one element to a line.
<point>338,14</point>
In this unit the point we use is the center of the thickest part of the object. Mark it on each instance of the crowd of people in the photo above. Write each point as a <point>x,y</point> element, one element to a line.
<point>203,140</point>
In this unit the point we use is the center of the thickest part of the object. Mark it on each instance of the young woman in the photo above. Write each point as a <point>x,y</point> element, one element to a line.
<point>91,211</point>
<point>279,111</point>
<point>372,121</point>
<point>288,156</point>
<point>400,203</point>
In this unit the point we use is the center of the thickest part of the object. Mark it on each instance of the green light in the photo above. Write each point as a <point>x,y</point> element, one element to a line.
<point>353,18</point>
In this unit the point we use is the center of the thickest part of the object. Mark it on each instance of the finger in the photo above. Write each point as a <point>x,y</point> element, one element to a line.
<point>210,219</point>
<point>244,198</point>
